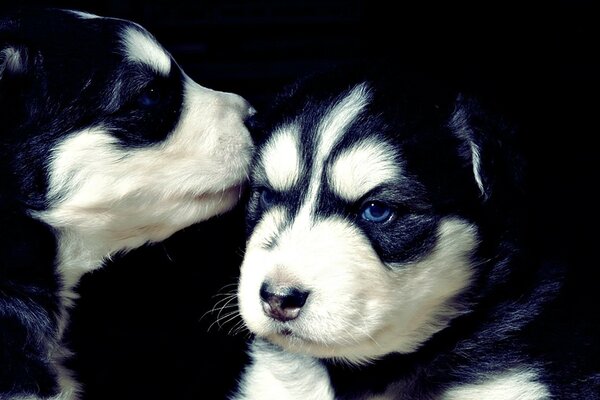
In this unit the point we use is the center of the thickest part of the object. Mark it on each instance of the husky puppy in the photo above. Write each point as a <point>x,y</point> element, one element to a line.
<point>388,254</point>
<point>106,144</point>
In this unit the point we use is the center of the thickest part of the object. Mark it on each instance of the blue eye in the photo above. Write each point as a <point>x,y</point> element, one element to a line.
<point>150,97</point>
<point>376,211</point>
<point>267,198</point>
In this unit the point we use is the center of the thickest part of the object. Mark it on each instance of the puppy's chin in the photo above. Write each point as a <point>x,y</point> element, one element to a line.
<point>356,350</point>
<point>211,204</point>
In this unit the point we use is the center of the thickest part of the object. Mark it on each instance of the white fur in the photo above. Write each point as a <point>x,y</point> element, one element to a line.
<point>69,388</point>
<point>361,168</point>
<point>140,47</point>
<point>283,167</point>
<point>83,14</point>
<point>277,375</point>
<point>476,159</point>
<point>512,385</point>
<point>107,198</point>
<point>459,122</point>
<point>359,308</point>
<point>11,60</point>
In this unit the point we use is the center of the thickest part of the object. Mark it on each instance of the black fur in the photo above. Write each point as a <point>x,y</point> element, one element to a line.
<point>28,303</point>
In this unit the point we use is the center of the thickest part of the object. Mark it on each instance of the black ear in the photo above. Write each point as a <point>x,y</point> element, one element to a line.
<point>489,143</point>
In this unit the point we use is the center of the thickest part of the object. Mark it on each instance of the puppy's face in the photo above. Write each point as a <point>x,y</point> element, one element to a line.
<point>357,246</point>
<point>113,138</point>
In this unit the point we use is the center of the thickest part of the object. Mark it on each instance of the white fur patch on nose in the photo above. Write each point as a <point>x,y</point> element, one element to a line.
<point>281,160</point>
<point>362,168</point>
<point>140,47</point>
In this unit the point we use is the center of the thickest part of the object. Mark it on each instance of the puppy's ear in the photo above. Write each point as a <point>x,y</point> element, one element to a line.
<point>490,144</point>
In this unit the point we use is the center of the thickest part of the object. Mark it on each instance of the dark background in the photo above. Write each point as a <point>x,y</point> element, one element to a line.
<point>139,330</point>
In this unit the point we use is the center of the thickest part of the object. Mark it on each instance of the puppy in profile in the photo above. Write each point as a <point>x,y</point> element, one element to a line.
<point>388,254</point>
<point>106,144</point>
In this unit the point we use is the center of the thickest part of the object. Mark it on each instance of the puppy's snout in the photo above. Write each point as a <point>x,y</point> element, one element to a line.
<point>241,105</point>
<point>282,303</point>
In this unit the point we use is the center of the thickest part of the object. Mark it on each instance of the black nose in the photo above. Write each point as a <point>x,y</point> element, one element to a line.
<point>282,302</point>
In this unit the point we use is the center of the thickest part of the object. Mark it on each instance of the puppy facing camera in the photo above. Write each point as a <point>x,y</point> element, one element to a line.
<point>388,254</point>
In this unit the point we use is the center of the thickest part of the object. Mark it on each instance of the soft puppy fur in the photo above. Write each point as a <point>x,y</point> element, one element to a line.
<point>106,144</point>
<point>389,253</point>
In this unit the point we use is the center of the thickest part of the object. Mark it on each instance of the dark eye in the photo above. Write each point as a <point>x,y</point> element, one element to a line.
<point>376,211</point>
<point>267,198</point>
<point>150,97</point>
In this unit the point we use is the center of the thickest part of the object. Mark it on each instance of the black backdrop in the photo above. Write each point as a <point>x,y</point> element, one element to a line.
<point>140,329</point>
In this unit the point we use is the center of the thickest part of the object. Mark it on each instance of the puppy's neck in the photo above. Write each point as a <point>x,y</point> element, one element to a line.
<point>82,252</point>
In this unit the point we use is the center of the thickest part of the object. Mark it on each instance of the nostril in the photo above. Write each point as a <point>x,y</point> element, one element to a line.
<point>266,292</point>
<point>282,302</point>
<point>294,298</point>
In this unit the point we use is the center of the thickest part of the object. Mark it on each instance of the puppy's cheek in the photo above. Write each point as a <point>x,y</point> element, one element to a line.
<point>251,278</point>
<point>332,261</point>
<point>255,267</point>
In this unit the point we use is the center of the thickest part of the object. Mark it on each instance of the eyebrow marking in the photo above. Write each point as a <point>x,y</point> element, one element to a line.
<point>361,168</point>
<point>141,47</point>
<point>281,159</point>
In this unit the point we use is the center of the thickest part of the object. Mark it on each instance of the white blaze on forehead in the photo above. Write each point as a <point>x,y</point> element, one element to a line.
<point>338,119</point>
<point>280,158</point>
<point>141,47</point>
<point>362,168</point>
<point>330,131</point>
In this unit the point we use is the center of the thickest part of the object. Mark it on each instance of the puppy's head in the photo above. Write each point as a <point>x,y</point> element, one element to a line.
<point>362,219</point>
<point>103,133</point>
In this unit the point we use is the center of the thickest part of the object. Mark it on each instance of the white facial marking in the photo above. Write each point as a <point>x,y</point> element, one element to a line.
<point>339,117</point>
<point>330,130</point>
<point>281,160</point>
<point>358,308</point>
<point>513,385</point>
<point>140,47</point>
<point>361,168</point>
<point>105,197</point>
